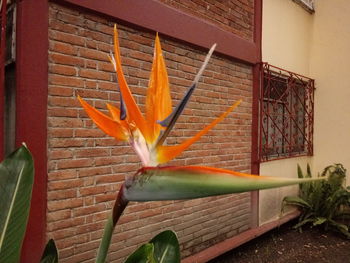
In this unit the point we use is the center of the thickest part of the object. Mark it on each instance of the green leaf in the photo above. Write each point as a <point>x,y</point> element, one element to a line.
<point>295,200</point>
<point>300,172</point>
<point>303,222</point>
<point>50,254</point>
<point>308,171</point>
<point>340,227</point>
<point>166,247</point>
<point>16,181</point>
<point>187,182</point>
<point>319,221</point>
<point>144,254</point>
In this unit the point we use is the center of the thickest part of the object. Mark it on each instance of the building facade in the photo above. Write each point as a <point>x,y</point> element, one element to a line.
<point>53,51</point>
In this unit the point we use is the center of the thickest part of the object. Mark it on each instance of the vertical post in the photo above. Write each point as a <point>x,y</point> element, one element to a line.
<point>255,164</point>
<point>2,73</point>
<point>31,108</point>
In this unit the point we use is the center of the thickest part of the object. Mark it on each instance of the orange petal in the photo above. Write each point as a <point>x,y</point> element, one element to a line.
<point>105,123</point>
<point>158,101</point>
<point>167,153</point>
<point>133,112</point>
<point>115,112</point>
<point>209,170</point>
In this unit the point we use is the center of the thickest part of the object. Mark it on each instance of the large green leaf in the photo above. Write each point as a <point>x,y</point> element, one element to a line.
<point>16,181</point>
<point>188,182</point>
<point>166,247</point>
<point>50,254</point>
<point>143,254</point>
<point>163,248</point>
<point>295,200</point>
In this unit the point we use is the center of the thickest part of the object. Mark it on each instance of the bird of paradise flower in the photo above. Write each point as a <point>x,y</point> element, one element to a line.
<point>147,134</point>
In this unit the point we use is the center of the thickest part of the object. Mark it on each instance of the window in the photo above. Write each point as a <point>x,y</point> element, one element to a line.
<point>286,114</point>
<point>10,78</point>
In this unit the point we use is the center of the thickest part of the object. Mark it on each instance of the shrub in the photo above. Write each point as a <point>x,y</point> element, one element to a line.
<point>324,202</point>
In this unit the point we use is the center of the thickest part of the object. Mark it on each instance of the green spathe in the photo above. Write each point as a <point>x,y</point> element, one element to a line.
<point>178,183</point>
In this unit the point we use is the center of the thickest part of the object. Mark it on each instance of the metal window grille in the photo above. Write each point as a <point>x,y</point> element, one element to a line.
<point>286,114</point>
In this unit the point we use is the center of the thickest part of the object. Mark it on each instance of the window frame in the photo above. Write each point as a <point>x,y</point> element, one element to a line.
<point>283,95</point>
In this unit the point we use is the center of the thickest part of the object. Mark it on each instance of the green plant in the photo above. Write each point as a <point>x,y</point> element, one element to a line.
<point>50,254</point>
<point>163,248</point>
<point>324,202</point>
<point>16,181</point>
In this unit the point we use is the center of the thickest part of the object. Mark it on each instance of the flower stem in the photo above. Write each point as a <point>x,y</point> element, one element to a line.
<point>120,204</point>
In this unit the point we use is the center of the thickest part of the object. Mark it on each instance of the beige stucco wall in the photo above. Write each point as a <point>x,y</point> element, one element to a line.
<point>316,45</point>
<point>286,36</point>
<point>330,67</point>
<point>270,200</point>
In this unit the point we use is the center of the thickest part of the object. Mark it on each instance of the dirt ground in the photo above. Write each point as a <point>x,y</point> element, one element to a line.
<point>286,245</point>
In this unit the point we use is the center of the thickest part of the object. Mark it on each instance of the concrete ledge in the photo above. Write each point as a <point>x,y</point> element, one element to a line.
<point>231,243</point>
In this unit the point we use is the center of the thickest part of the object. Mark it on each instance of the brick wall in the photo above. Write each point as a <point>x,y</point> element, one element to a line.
<point>235,16</point>
<point>86,168</point>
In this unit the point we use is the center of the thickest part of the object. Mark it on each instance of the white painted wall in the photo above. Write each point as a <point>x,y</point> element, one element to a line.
<point>330,67</point>
<point>286,37</point>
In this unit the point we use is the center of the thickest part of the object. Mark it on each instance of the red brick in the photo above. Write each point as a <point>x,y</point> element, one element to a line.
<point>61,91</point>
<point>64,184</point>
<point>62,112</point>
<point>93,54</point>
<point>66,59</point>
<point>88,210</point>
<point>86,133</point>
<point>62,174</point>
<point>55,143</point>
<point>94,171</point>
<point>66,38</point>
<point>63,101</point>
<point>63,204</point>
<point>92,152</point>
<point>105,198</point>
<point>63,194</point>
<point>94,74</point>
<point>65,122</point>
<point>59,215</point>
<point>63,48</point>
<point>66,81</point>
<point>93,190</point>
<point>60,133</point>
<point>63,70</point>
<point>78,163</point>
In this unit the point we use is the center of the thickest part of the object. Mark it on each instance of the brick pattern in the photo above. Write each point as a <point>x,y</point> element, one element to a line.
<point>86,168</point>
<point>236,16</point>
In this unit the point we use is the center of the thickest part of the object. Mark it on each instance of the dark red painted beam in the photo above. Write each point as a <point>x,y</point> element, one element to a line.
<point>31,108</point>
<point>172,22</point>
<point>255,164</point>
<point>2,76</point>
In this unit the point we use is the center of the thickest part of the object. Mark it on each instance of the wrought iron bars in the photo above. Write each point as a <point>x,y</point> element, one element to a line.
<point>286,114</point>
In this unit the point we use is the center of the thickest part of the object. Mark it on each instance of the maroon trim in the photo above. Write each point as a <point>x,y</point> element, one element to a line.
<point>172,22</point>
<point>231,243</point>
<point>31,107</point>
<point>2,76</point>
<point>255,165</point>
